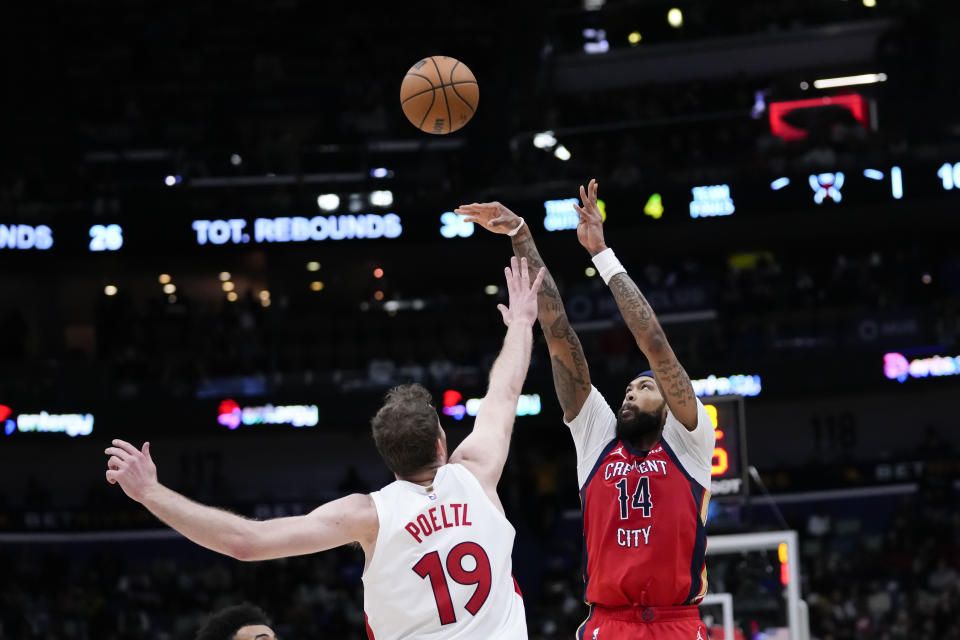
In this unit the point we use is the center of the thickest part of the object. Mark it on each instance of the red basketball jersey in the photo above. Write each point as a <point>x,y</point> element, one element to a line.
<point>643,512</point>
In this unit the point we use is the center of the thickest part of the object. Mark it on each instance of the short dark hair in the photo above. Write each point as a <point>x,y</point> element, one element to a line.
<point>224,624</point>
<point>406,428</point>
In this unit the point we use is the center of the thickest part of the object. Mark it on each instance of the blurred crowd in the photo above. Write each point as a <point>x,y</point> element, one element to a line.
<point>722,311</point>
<point>893,576</point>
<point>898,583</point>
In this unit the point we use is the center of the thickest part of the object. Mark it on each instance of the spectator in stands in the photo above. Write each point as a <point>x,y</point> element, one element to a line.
<point>240,622</point>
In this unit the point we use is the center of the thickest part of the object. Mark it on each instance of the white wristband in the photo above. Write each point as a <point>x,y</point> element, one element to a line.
<point>607,265</point>
<point>514,232</point>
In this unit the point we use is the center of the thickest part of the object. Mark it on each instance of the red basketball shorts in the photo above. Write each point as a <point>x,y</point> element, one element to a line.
<point>643,623</point>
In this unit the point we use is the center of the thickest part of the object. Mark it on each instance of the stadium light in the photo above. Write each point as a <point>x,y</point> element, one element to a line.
<point>328,201</point>
<point>236,160</point>
<point>675,18</point>
<point>596,41</point>
<point>544,140</point>
<point>779,183</point>
<point>846,81</point>
<point>562,152</point>
<point>110,290</point>
<point>870,3</point>
<point>381,198</point>
<point>634,38</point>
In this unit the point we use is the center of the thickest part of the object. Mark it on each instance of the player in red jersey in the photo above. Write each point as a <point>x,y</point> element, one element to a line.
<point>644,472</point>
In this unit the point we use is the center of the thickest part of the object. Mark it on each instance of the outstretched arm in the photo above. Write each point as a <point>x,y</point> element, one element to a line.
<point>637,313</point>
<point>484,451</point>
<point>571,376</point>
<point>349,519</point>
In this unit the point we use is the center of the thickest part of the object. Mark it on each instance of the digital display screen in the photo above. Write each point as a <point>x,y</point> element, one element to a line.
<point>729,464</point>
<point>825,193</point>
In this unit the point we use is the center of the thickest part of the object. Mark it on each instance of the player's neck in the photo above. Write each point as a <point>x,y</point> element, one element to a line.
<point>424,477</point>
<point>646,442</point>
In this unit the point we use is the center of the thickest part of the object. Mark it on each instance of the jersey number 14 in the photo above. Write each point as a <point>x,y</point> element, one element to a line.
<point>430,566</point>
<point>641,498</point>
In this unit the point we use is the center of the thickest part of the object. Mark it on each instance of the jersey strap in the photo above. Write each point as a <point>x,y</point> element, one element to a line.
<point>698,567</point>
<point>583,504</point>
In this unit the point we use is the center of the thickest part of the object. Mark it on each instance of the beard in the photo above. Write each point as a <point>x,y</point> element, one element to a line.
<point>639,424</point>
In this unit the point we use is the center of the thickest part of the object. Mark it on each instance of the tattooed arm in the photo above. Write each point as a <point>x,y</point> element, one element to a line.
<point>571,377</point>
<point>640,318</point>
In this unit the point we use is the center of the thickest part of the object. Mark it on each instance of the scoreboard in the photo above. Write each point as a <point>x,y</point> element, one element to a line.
<point>150,225</point>
<point>729,466</point>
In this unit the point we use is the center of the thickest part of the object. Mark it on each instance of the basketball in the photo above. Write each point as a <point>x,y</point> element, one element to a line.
<point>439,94</point>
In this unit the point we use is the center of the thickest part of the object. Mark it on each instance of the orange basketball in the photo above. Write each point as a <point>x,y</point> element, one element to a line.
<point>439,95</point>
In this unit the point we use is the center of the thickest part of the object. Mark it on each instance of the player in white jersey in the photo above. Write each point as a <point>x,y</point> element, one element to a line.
<point>439,530</point>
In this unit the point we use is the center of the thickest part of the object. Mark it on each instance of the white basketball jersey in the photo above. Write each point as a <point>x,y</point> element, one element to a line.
<point>442,566</point>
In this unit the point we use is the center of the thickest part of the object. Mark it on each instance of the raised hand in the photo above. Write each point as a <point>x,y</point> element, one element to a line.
<point>523,295</point>
<point>132,469</point>
<point>492,216</point>
<point>590,227</point>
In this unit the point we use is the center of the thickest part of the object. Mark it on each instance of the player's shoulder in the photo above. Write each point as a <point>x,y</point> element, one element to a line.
<point>595,408</point>
<point>355,513</point>
<point>459,471</point>
<point>360,503</point>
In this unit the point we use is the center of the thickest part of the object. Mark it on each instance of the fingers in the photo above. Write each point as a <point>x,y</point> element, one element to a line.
<point>504,311</point>
<point>539,279</point>
<point>114,463</point>
<point>476,207</point>
<point>524,275</point>
<point>580,211</point>
<point>146,449</point>
<point>116,452</point>
<point>126,446</point>
<point>112,476</point>
<point>588,198</point>
<point>518,275</point>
